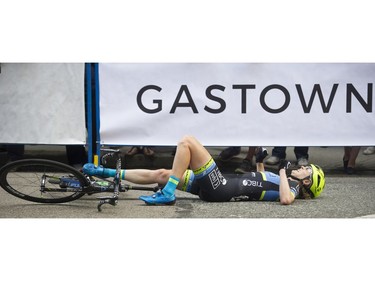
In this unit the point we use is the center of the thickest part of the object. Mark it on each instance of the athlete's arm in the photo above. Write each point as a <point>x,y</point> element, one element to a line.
<point>260,154</point>
<point>260,167</point>
<point>286,196</point>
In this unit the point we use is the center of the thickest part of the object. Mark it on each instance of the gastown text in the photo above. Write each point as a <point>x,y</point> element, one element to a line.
<point>244,90</point>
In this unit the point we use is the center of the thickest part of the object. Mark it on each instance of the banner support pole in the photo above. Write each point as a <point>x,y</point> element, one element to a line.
<point>89,112</point>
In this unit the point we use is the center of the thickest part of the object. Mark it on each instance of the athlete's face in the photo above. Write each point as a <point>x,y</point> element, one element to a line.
<point>302,172</point>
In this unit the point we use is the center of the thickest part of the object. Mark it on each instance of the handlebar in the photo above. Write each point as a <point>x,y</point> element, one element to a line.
<point>110,150</point>
<point>109,153</point>
<point>112,200</point>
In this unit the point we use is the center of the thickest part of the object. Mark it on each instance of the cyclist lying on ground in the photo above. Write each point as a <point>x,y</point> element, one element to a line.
<point>205,179</point>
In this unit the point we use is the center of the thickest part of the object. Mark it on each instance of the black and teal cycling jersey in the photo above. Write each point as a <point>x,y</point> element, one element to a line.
<point>211,185</point>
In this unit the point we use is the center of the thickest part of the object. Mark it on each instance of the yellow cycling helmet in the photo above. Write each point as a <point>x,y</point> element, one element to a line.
<point>317,181</point>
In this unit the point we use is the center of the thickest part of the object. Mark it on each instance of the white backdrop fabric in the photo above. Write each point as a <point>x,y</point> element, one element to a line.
<point>239,104</point>
<point>42,103</point>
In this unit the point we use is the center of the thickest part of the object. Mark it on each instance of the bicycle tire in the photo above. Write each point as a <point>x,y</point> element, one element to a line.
<point>23,178</point>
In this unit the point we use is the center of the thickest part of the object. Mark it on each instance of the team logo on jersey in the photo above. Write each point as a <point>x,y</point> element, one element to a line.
<point>252,183</point>
<point>216,178</point>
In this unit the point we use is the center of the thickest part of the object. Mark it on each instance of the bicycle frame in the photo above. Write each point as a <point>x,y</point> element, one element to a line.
<point>117,187</point>
<point>112,200</point>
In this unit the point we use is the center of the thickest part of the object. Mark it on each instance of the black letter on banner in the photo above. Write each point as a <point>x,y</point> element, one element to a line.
<point>316,89</point>
<point>215,98</point>
<point>263,96</point>
<point>243,95</point>
<point>191,103</point>
<point>351,90</point>
<point>158,102</point>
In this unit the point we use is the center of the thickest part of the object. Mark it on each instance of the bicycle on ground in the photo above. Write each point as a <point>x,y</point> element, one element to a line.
<point>48,181</point>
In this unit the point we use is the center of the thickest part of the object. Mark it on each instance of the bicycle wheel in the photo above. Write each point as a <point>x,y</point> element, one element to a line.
<point>43,181</point>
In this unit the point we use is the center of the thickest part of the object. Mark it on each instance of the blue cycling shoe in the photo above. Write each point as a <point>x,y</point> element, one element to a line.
<point>92,170</point>
<point>159,199</point>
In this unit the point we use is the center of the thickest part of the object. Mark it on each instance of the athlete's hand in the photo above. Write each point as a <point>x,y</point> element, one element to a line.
<point>284,164</point>
<point>260,154</point>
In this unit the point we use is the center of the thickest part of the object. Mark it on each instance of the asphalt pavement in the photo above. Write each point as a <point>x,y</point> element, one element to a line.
<point>345,196</point>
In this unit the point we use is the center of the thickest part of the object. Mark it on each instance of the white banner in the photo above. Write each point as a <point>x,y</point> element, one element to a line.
<point>249,104</point>
<point>42,103</point>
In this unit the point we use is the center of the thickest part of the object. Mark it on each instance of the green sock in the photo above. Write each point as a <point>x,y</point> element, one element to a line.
<point>171,186</point>
<point>112,172</point>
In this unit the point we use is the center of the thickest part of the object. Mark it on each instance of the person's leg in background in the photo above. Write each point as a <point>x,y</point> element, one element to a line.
<point>278,153</point>
<point>302,155</point>
<point>246,165</point>
<point>350,156</point>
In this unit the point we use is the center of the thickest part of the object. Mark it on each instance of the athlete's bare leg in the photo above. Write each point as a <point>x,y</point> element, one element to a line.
<point>190,153</point>
<point>144,176</point>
